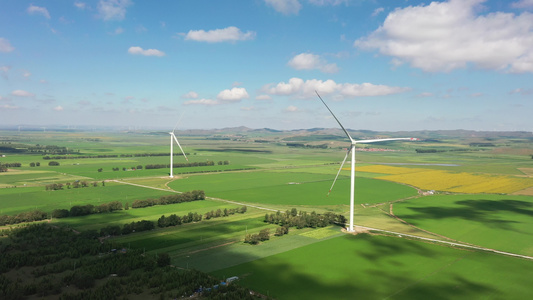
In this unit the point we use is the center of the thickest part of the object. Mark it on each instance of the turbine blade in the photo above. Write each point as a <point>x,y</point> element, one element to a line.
<point>176,139</point>
<point>179,120</point>
<point>342,165</point>
<point>347,134</point>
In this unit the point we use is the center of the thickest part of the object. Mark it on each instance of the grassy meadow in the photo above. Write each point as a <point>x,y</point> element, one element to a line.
<point>482,198</point>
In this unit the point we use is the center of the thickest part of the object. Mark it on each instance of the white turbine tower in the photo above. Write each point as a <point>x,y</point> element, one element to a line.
<point>352,170</point>
<point>172,140</point>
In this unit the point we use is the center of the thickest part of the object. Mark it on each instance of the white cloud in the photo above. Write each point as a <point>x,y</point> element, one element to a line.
<point>229,34</point>
<point>58,108</point>
<point>523,4</point>
<point>309,61</point>
<point>475,95</point>
<point>5,46</point>
<point>4,70</point>
<point>291,108</point>
<point>444,36</point>
<point>425,95</point>
<point>522,91</point>
<point>118,30</point>
<point>369,89</point>
<point>8,106</point>
<point>190,95</point>
<point>286,7</point>
<point>148,52</point>
<point>141,29</point>
<point>26,74</point>
<point>248,108</point>
<point>33,9</point>
<point>207,102</point>
<point>234,95</point>
<point>263,97</point>
<point>113,9</point>
<point>377,11</point>
<point>21,93</point>
<point>328,2</point>
<point>80,5</point>
<point>299,88</point>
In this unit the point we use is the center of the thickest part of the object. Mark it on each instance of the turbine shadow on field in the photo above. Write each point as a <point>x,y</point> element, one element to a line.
<point>385,249</point>
<point>482,211</point>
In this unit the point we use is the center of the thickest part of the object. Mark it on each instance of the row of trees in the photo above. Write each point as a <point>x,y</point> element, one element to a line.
<point>76,184</point>
<point>300,145</point>
<point>224,213</point>
<point>181,165</point>
<point>254,239</point>
<point>29,216</point>
<point>83,210</point>
<point>302,219</point>
<point>170,199</point>
<point>4,166</point>
<point>174,220</point>
<point>293,218</point>
<point>139,167</point>
<point>48,157</point>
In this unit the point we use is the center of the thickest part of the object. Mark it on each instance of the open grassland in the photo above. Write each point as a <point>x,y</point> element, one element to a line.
<point>379,267</point>
<point>499,222</point>
<point>458,182</point>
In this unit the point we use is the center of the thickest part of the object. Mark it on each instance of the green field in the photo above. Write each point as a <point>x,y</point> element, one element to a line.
<point>378,267</point>
<point>494,221</point>
<point>268,176</point>
<point>293,188</point>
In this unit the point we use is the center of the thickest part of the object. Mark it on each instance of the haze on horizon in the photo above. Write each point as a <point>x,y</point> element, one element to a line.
<point>381,65</point>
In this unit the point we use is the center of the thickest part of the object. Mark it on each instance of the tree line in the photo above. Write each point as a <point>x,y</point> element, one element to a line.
<point>180,165</point>
<point>293,218</point>
<point>48,157</point>
<point>162,222</point>
<point>29,216</point>
<point>302,219</point>
<point>170,199</point>
<point>4,166</point>
<point>88,209</point>
<point>76,184</point>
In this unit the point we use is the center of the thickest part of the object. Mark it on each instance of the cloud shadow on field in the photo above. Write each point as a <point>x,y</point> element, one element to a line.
<point>482,211</point>
<point>422,288</point>
<point>277,278</point>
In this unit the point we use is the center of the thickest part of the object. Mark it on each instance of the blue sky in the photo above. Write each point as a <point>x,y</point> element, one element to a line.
<point>381,65</point>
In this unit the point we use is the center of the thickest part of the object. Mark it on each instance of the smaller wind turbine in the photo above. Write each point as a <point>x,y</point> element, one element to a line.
<point>352,170</point>
<point>173,139</point>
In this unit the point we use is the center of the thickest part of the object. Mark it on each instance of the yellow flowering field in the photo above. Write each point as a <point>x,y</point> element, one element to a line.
<point>461,182</point>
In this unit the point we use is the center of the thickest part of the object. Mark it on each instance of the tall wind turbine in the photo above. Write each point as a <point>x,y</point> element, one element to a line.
<point>352,170</point>
<point>172,140</point>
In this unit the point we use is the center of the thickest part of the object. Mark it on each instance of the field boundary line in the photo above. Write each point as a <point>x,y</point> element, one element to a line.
<point>146,186</point>
<point>245,204</point>
<point>451,243</point>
